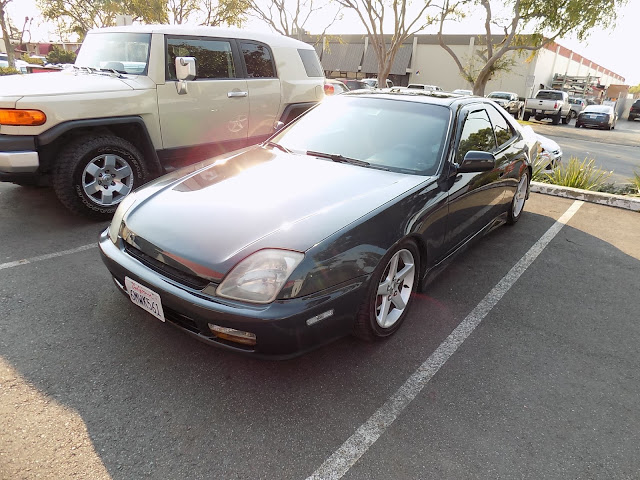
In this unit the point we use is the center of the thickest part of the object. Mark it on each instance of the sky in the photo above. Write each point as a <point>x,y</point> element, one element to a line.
<point>615,49</point>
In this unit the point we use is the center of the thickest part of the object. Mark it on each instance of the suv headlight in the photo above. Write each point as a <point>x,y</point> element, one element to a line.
<point>260,277</point>
<point>126,203</point>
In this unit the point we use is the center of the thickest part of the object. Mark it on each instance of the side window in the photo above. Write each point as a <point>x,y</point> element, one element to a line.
<point>258,60</point>
<point>311,63</point>
<point>214,58</point>
<point>503,130</point>
<point>477,134</point>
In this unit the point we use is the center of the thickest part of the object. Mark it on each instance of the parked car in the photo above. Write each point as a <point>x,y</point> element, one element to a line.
<point>373,82</point>
<point>509,101</point>
<point>553,104</point>
<point>146,99</point>
<point>550,155</point>
<point>334,87</point>
<point>462,91</point>
<point>21,65</point>
<point>356,84</point>
<point>577,105</point>
<point>602,116</point>
<point>328,228</point>
<point>634,112</point>
<point>422,86</point>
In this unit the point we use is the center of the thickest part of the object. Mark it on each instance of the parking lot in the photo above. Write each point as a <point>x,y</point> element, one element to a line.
<point>520,361</point>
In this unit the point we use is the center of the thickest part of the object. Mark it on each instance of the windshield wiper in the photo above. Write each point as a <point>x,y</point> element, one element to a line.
<point>278,146</point>
<point>339,158</point>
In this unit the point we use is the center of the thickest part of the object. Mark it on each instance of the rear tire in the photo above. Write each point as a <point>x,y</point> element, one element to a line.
<point>390,293</point>
<point>556,118</point>
<point>519,199</point>
<point>526,116</point>
<point>95,172</point>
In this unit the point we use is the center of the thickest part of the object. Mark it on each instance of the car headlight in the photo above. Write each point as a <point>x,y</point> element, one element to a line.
<point>260,277</point>
<point>126,203</point>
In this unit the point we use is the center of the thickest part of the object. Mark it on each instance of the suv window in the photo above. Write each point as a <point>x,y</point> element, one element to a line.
<point>258,60</point>
<point>636,104</point>
<point>503,130</point>
<point>477,134</point>
<point>311,63</point>
<point>214,58</point>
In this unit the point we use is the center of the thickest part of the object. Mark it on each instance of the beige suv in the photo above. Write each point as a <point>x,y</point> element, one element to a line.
<point>144,100</point>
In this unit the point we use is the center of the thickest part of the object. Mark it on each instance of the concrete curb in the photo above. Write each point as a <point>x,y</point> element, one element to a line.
<point>619,201</point>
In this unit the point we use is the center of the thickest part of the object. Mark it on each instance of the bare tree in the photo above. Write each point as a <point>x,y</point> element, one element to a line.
<point>289,17</point>
<point>207,12</point>
<point>547,20</point>
<point>5,33</point>
<point>373,14</point>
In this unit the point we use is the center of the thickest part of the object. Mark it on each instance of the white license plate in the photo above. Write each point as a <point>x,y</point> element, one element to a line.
<point>592,116</point>
<point>145,298</point>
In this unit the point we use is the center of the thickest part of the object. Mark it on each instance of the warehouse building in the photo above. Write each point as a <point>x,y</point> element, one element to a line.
<point>422,60</point>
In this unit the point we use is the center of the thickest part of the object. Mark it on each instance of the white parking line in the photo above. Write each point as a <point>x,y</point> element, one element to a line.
<point>47,256</point>
<point>368,433</point>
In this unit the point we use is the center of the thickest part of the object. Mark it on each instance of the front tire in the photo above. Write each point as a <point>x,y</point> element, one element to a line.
<point>390,293</point>
<point>94,174</point>
<point>519,199</point>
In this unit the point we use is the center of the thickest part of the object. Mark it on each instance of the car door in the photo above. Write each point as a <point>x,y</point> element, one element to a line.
<point>474,198</point>
<point>214,110</point>
<point>264,89</point>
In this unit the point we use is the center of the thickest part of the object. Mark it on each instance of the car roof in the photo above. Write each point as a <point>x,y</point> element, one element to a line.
<point>273,39</point>
<point>434,97</point>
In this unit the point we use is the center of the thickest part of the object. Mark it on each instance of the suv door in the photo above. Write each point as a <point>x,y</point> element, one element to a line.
<point>214,112</point>
<point>264,89</point>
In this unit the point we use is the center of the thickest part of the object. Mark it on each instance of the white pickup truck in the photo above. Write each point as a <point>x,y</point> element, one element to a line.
<point>553,104</point>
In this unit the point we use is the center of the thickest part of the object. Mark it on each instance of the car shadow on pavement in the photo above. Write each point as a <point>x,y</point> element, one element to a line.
<point>158,404</point>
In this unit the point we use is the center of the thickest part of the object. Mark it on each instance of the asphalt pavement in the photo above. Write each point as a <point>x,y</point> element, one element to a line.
<point>545,385</point>
<point>616,150</point>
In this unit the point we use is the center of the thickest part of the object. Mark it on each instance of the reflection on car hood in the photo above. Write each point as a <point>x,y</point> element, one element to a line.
<point>260,198</point>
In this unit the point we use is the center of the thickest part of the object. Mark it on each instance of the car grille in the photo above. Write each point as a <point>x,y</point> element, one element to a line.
<point>190,281</point>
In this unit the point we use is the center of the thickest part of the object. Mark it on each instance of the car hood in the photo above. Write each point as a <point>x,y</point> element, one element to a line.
<point>59,83</point>
<point>206,222</point>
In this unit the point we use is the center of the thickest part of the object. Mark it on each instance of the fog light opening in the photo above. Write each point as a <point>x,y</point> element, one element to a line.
<point>320,316</point>
<point>233,335</point>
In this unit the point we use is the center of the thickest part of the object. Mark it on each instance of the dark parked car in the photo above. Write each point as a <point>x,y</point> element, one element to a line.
<point>602,116</point>
<point>334,87</point>
<point>356,84</point>
<point>326,229</point>
<point>634,112</point>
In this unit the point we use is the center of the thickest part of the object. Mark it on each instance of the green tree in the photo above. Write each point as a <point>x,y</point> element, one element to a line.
<point>207,12</point>
<point>80,16</point>
<point>59,55</point>
<point>528,26</point>
<point>635,89</point>
<point>373,15</point>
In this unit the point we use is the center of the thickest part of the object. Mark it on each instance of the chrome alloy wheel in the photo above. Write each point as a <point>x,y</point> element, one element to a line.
<point>520,196</point>
<point>107,179</point>
<point>395,288</point>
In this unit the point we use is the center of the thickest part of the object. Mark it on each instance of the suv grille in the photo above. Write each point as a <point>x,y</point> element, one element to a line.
<point>191,281</point>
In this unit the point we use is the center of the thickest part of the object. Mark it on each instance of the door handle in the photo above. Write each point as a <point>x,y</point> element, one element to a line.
<point>237,94</point>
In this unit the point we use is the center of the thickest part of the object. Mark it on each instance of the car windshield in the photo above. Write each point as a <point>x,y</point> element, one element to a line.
<point>504,96</point>
<point>122,52</point>
<point>398,135</point>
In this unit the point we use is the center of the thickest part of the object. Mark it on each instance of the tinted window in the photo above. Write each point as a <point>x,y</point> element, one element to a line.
<point>213,57</point>
<point>311,63</point>
<point>477,134</point>
<point>258,60</point>
<point>503,130</point>
<point>401,136</point>
<point>549,95</point>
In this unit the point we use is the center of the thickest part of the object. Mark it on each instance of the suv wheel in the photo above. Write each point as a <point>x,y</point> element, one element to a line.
<point>94,174</point>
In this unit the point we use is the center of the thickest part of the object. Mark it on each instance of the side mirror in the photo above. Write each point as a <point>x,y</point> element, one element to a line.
<point>185,71</point>
<point>277,126</point>
<point>475,161</point>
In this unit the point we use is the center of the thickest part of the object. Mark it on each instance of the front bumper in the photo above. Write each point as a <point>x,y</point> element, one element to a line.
<point>18,155</point>
<point>280,327</point>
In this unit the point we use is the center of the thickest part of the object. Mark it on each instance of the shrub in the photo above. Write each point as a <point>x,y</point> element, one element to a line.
<point>635,183</point>
<point>58,55</point>
<point>31,60</point>
<point>8,71</point>
<point>584,175</point>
